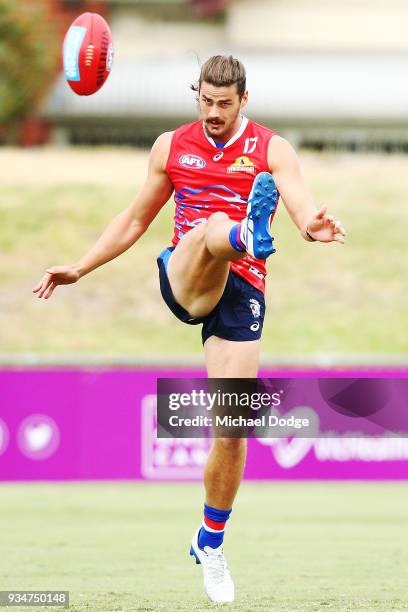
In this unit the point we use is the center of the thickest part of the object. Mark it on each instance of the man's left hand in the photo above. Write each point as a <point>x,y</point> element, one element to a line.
<point>325,228</point>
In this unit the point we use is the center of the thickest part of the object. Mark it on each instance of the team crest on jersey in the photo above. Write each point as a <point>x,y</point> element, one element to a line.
<point>189,160</point>
<point>242,164</point>
<point>255,307</point>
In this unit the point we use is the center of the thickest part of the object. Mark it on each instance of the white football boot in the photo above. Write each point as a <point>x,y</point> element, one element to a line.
<point>255,228</point>
<point>217,578</point>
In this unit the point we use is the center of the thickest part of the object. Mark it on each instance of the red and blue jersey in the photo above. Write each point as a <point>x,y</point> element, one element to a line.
<point>208,179</point>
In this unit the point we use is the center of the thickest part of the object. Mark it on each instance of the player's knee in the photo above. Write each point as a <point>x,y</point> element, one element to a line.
<point>231,445</point>
<point>216,218</point>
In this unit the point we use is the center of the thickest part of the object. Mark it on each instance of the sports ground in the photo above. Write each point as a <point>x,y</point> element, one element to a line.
<point>291,547</point>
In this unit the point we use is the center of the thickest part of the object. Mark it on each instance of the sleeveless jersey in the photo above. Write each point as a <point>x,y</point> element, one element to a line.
<point>208,179</point>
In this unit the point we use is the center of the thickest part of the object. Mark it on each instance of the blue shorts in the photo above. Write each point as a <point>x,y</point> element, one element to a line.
<point>238,316</point>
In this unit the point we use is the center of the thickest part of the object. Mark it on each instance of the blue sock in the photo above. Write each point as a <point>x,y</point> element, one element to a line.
<point>235,239</point>
<point>212,532</point>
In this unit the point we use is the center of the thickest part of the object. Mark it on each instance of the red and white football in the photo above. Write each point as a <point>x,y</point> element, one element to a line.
<point>87,54</point>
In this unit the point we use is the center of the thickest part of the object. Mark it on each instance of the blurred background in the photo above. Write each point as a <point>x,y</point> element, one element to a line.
<point>78,372</point>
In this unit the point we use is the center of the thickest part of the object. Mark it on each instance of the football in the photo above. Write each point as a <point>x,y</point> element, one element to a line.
<point>87,54</point>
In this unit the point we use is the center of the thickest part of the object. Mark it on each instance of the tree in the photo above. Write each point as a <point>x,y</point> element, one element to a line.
<point>28,60</point>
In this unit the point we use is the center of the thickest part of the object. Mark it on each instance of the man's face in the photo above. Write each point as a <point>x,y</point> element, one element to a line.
<point>220,108</point>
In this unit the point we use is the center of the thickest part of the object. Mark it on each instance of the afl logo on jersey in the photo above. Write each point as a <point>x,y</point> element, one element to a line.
<point>192,161</point>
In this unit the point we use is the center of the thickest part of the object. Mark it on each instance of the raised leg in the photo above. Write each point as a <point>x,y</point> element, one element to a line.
<point>198,267</point>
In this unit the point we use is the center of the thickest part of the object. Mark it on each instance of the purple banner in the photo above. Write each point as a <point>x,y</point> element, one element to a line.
<point>69,424</point>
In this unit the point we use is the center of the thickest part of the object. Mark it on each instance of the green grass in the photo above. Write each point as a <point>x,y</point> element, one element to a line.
<point>291,547</point>
<point>320,298</point>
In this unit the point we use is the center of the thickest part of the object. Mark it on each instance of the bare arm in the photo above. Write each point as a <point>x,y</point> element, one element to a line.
<point>125,229</point>
<point>285,167</point>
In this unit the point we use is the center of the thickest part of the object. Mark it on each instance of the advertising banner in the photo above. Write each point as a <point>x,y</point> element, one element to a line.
<point>79,423</point>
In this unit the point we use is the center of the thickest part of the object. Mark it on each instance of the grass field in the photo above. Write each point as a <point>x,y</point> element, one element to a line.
<point>321,298</point>
<point>291,547</point>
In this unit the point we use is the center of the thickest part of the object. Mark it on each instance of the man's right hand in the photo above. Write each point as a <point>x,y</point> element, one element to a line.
<point>58,275</point>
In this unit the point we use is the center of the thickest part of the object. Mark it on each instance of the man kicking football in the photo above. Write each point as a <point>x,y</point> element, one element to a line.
<point>226,172</point>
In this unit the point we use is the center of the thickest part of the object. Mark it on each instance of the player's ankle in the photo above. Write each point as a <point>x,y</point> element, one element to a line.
<point>212,532</point>
<point>235,238</point>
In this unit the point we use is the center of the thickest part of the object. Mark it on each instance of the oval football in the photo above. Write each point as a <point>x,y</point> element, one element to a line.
<point>87,54</point>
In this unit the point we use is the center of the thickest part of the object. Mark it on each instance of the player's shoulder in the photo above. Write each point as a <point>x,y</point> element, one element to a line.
<point>281,153</point>
<point>279,144</point>
<point>163,141</point>
<point>160,150</point>
<point>162,147</point>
